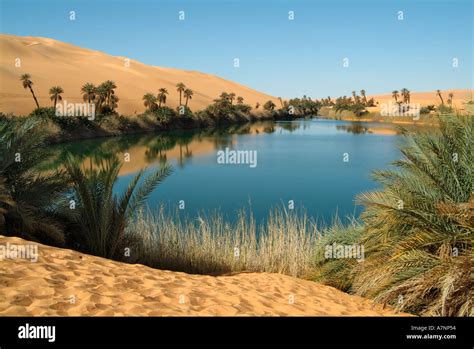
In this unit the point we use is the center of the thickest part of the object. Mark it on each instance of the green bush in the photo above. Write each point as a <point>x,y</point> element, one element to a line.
<point>337,272</point>
<point>419,229</point>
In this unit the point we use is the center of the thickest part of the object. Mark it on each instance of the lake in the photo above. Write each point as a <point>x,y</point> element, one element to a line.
<point>320,165</point>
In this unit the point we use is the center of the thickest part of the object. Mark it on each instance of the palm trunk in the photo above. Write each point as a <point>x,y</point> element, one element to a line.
<point>34,97</point>
<point>179,97</point>
<point>55,101</point>
<point>187,102</point>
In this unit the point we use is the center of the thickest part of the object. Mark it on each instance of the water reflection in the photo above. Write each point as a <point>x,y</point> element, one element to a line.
<point>150,149</point>
<point>363,128</point>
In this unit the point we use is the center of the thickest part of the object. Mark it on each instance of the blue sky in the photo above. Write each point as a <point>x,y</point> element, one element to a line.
<point>281,57</point>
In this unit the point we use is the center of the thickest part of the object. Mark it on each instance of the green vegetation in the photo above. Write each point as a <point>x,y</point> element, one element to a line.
<point>188,94</point>
<point>419,229</point>
<point>29,200</point>
<point>337,272</point>
<point>157,115</point>
<point>357,104</point>
<point>149,100</point>
<point>99,217</point>
<point>345,103</point>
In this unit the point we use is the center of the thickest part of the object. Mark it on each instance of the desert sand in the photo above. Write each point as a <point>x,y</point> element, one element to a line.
<point>52,63</point>
<point>460,97</point>
<point>65,282</point>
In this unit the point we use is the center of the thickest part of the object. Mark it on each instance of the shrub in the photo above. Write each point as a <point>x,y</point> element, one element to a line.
<point>419,230</point>
<point>28,198</point>
<point>101,217</point>
<point>337,272</point>
<point>213,246</point>
<point>164,114</point>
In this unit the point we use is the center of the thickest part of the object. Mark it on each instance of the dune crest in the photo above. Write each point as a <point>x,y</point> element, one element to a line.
<point>51,63</point>
<point>67,283</point>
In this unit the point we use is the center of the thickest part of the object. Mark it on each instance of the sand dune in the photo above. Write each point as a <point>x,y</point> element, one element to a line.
<point>51,62</point>
<point>65,282</point>
<point>460,97</point>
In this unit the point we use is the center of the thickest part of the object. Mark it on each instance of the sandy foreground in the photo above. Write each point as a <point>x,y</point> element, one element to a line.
<point>54,63</point>
<point>68,283</point>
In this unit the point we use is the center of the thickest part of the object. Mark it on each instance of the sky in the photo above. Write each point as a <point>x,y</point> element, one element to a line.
<point>282,57</point>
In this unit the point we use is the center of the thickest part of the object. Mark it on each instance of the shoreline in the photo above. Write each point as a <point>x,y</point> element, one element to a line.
<point>57,135</point>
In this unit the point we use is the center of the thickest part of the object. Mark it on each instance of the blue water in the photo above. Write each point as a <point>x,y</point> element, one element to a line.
<point>299,160</point>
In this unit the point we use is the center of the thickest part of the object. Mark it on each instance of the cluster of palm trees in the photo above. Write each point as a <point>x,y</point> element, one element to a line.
<point>404,93</point>
<point>354,104</point>
<point>362,99</point>
<point>103,95</point>
<point>227,99</point>
<point>302,106</point>
<point>153,102</point>
<point>449,101</point>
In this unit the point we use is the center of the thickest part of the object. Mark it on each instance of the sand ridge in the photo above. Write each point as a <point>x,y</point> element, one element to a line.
<point>68,283</point>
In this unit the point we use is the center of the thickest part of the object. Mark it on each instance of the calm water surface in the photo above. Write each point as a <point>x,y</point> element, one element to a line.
<point>299,160</point>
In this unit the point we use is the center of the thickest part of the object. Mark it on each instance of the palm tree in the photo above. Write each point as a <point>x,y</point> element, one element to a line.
<point>88,92</point>
<point>149,100</point>
<point>240,100</point>
<point>362,93</point>
<point>55,94</point>
<point>354,96</point>
<point>29,198</point>
<point>438,93</point>
<point>101,93</point>
<point>231,97</point>
<point>180,87</point>
<point>450,100</point>
<point>101,217</point>
<point>109,87</point>
<point>281,102</point>
<point>188,94</point>
<point>395,95</point>
<point>404,92</point>
<point>224,96</point>
<point>162,92</point>
<point>27,83</point>
<point>113,102</point>
<point>418,233</point>
<point>269,105</point>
